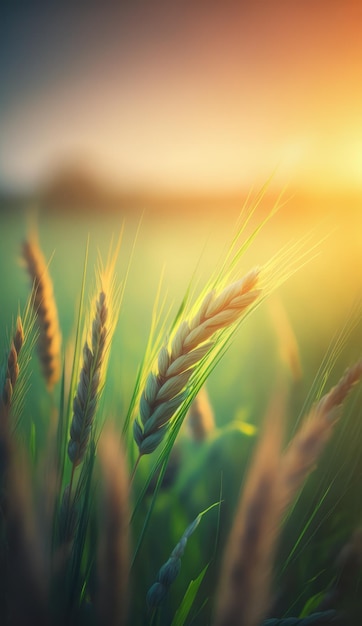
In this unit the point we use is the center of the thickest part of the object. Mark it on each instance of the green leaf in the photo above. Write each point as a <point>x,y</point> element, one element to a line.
<point>312,603</point>
<point>188,599</point>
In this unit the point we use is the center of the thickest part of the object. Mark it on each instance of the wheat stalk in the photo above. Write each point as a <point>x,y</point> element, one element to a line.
<point>27,578</point>
<point>165,391</point>
<point>287,342</point>
<point>49,340</point>
<point>113,553</point>
<point>244,584</point>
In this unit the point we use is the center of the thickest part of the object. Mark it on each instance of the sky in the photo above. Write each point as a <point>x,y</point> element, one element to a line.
<point>191,95</point>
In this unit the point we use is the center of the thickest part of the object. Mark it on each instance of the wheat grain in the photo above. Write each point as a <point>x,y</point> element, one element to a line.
<point>49,340</point>
<point>165,391</point>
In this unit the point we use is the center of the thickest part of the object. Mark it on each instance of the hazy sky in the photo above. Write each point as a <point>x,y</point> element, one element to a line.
<point>196,94</point>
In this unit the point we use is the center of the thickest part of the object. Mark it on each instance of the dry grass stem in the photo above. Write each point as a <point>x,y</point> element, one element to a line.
<point>244,588</point>
<point>113,554</point>
<point>287,341</point>
<point>68,517</point>
<point>89,385</point>
<point>200,418</point>
<point>49,340</point>
<point>6,465</point>
<point>308,443</point>
<point>165,391</point>
<point>26,572</point>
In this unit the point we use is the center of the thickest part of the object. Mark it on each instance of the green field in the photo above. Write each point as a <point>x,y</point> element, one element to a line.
<point>321,301</point>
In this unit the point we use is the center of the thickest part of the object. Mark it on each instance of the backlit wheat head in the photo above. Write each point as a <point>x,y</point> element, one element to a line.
<point>165,391</point>
<point>86,398</point>
<point>49,339</point>
<point>93,369</point>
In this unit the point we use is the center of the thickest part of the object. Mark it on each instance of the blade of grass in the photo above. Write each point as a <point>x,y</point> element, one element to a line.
<point>185,607</point>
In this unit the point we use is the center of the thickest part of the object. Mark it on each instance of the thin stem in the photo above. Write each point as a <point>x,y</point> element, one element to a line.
<point>69,499</point>
<point>154,615</point>
<point>134,470</point>
<point>71,479</point>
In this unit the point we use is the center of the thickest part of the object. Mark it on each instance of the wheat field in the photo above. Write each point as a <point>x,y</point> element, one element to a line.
<point>181,419</point>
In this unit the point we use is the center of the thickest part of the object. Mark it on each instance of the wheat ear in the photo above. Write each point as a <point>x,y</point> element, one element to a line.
<point>12,368</point>
<point>165,391</point>
<point>244,584</point>
<point>271,486</point>
<point>170,570</point>
<point>49,340</point>
<point>89,385</point>
<point>300,457</point>
<point>113,554</point>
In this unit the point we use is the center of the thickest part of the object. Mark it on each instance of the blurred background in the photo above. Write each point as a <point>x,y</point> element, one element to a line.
<point>175,111</point>
<point>183,99</point>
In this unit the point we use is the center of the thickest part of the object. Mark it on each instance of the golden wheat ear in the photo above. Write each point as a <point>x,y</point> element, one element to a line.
<point>307,445</point>
<point>49,339</point>
<point>165,391</point>
<point>287,344</point>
